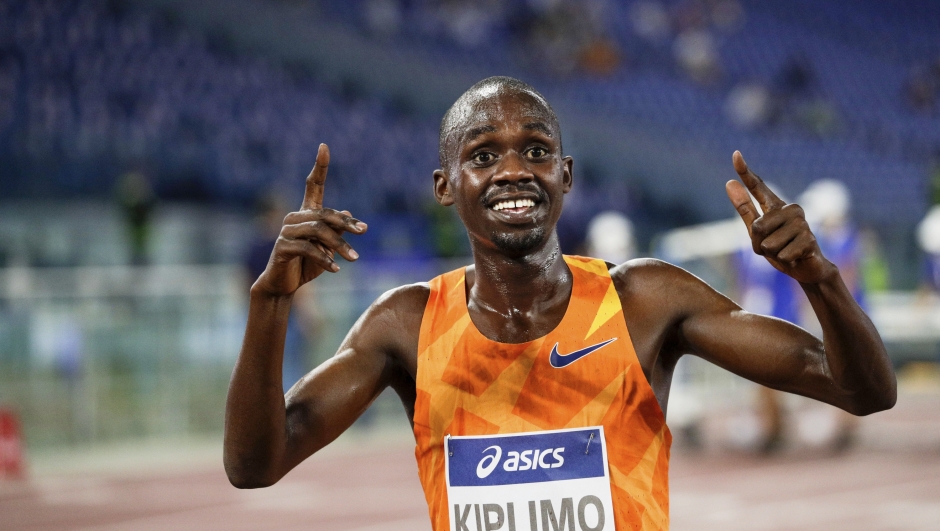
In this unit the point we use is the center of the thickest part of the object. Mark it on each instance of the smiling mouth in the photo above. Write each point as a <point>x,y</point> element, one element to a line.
<point>514,206</point>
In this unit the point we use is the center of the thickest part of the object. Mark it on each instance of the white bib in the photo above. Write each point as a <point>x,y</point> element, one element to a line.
<point>539,481</point>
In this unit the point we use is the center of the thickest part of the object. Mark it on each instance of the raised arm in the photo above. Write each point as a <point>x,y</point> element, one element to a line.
<point>849,368</point>
<point>266,432</point>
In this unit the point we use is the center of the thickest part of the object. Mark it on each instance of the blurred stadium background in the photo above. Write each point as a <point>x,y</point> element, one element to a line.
<point>147,145</point>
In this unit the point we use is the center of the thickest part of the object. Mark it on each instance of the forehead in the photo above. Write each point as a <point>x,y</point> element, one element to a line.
<point>497,107</point>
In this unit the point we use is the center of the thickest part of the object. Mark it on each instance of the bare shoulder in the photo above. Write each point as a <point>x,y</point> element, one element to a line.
<point>650,285</point>
<point>641,275</point>
<point>401,307</point>
<point>393,322</point>
<point>409,298</point>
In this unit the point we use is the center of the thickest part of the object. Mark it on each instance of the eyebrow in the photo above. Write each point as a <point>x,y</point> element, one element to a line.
<point>539,126</point>
<point>477,131</point>
<point>483,129</point>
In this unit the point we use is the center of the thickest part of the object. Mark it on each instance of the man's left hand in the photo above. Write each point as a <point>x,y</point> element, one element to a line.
<point>780,234</point>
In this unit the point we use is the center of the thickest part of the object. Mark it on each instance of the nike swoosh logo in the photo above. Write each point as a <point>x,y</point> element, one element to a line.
<point>563,360</point>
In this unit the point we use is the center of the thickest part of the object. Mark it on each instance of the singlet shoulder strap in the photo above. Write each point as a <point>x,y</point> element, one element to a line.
<point>445,307</point>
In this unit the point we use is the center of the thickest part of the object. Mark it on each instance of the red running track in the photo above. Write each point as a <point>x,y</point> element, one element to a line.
<point>370,489</point>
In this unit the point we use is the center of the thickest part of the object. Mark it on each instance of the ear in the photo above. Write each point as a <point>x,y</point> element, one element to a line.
<point>568,177</point>
<point>442,188</point>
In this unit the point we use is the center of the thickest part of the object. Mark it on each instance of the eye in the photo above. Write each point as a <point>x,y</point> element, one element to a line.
<point>482,157</point>
<point>537,152</point>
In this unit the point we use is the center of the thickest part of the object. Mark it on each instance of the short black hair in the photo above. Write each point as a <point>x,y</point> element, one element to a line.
<point>500,84</point>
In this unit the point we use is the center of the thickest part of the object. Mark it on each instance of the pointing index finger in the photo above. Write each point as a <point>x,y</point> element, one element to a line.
<point>764,195</point>
<point>313,193</point>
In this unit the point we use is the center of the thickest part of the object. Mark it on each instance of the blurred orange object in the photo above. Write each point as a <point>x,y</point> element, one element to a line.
<point>11,446</point>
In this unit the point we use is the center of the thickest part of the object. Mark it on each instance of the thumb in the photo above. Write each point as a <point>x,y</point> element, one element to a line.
<point>742,202</point>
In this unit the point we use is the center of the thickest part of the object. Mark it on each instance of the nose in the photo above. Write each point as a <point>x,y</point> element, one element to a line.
<point>512,170</point>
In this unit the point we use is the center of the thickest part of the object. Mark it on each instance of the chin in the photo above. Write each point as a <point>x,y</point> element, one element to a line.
<point>518,244</point>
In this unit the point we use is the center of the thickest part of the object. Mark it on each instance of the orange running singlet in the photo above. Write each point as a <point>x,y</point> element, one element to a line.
<point>585,373</point>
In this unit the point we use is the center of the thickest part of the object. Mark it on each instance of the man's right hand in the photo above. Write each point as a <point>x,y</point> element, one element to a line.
<point>309,239</point>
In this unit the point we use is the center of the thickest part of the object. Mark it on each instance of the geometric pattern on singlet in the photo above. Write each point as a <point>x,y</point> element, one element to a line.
<point>468,384</point>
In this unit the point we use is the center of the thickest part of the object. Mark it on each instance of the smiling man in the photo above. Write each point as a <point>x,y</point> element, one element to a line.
<point>536,383</point>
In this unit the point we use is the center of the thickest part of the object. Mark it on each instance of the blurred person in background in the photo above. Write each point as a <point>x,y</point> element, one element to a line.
<point>569,37</point>
<point>478,351</point>
<point>827,204</point>
<point>446,232</point>
<point>699,26</point>
<point>696,52</point>
<point>799,96</point>
<point>137,201</point>
<point>750,105</point>
<point>610,237</point>
<point>922,88</point>
<point>928,239</point>
<point>794,96</point>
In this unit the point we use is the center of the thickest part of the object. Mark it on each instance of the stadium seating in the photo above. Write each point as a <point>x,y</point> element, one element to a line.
<point>91,91</point>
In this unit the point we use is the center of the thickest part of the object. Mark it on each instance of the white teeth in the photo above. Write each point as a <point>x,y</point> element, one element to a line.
<point>521,203</point>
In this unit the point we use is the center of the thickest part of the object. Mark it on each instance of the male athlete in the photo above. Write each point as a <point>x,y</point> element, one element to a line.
<point>536,383</point>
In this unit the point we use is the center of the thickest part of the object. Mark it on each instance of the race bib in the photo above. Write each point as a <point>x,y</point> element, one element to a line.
<point>540,481</point>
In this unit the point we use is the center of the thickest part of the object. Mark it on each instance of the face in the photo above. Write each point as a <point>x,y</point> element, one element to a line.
<point>505,172</point>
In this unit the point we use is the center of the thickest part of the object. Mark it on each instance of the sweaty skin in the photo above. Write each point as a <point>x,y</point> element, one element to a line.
<point>505,144</point>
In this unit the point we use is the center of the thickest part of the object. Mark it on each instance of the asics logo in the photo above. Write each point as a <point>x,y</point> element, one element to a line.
<point>486,465</point>
<point>563,360</point>
<point>519,461</point>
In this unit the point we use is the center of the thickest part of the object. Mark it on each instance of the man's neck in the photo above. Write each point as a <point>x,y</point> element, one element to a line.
<point>517,299</point>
